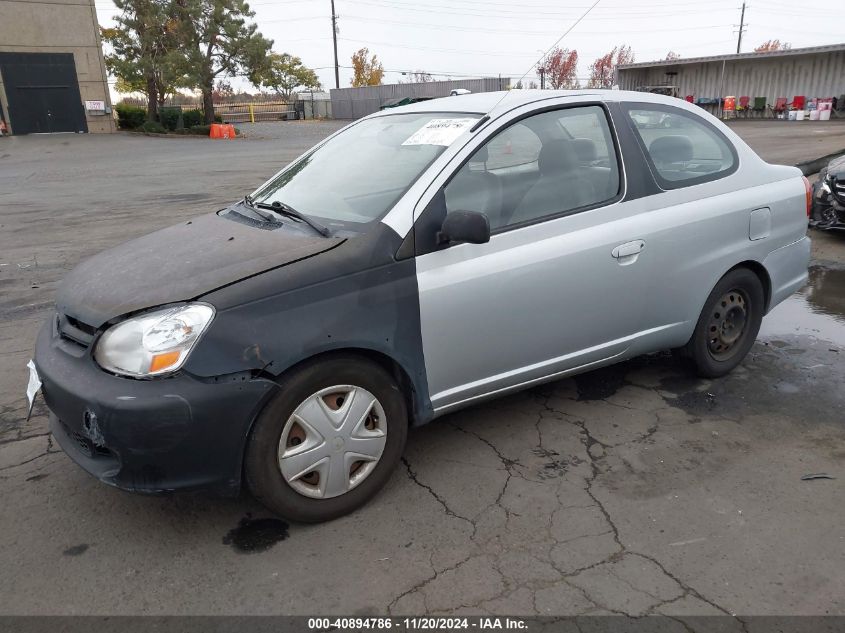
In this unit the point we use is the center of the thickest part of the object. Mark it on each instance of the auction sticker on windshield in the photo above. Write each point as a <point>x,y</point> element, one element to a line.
<point>440,132</point>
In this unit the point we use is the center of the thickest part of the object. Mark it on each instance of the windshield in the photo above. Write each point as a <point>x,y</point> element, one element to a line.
<point>357,176</point>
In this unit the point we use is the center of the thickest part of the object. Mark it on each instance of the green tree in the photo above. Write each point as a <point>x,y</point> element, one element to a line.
<point>145,55</point>
<point>285,73</point>
<point>366,70</point>
<point>218,42</point>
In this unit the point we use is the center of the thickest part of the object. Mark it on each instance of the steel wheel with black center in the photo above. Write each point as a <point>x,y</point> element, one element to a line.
<point>728,324</point>
<point>328,441</point>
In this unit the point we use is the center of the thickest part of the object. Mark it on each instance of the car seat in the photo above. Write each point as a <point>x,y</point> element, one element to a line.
<point>560,186</point>
<point>597,172</point>
<point>670,154</point>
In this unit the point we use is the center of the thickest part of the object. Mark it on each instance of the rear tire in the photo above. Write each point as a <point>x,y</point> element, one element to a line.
<point>728,324</point>
<point>309,411</point>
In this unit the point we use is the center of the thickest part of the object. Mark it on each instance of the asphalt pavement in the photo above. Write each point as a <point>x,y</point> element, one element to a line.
<point>633,489</point>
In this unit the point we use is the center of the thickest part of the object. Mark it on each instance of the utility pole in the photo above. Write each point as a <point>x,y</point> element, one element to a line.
<point>334,40</point>
<point>741,28</point>
<point>542,72</point>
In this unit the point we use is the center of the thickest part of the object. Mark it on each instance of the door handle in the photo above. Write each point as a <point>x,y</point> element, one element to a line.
<point>627,249</point>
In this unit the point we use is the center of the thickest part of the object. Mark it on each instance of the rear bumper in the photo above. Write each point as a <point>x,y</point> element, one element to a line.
<point>147,435</point>
<point>787,268</point>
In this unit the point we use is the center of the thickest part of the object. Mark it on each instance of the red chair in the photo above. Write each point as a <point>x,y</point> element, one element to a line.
<point>743,105</point>
<point>798,102</point>
<point>779,107</point>
<point>689,98</point>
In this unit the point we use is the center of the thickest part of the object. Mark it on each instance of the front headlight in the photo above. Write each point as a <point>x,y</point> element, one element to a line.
<point>154,343</point>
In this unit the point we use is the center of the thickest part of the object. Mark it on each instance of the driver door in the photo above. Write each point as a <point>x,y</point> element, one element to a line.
<point>560,284</point>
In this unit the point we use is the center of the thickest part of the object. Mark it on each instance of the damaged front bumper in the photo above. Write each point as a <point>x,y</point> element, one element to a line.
<point>828,211</point>
<point>150,436</point>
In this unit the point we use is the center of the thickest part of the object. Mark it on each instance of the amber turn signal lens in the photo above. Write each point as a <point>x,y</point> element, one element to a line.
<point>163,361</point>
<point>808,193</point>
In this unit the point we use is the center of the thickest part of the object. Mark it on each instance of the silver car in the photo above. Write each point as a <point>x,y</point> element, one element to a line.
<point>420,260</point>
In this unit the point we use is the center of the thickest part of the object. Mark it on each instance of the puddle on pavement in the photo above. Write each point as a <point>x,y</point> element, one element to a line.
<point>816,310</point>
<point>256,535</point>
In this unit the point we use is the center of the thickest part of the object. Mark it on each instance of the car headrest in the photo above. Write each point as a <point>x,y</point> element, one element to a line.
<point>585,149</point>
<point>481,155</point>
<point>671,149</point>
<point>556,156</point>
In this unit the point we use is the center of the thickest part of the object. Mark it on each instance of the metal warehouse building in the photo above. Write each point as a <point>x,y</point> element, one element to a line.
<point>818,71</point>
<point>52,75</point>
<point>354,103</point>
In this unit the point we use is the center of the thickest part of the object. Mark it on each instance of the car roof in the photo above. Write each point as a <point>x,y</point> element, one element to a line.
<point>494,103</point>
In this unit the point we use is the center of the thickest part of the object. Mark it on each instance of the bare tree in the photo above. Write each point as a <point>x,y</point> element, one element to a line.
<point>772,45</point>
<point>420,77</point>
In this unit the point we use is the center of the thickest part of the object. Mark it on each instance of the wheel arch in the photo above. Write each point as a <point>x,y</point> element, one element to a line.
<point>415,397</point>
<point>413,393</point>
<point>762,274</point>
<point>754,266</point>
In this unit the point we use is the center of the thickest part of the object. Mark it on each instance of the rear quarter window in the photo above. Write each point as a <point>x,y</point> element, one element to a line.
<point>682,149</point>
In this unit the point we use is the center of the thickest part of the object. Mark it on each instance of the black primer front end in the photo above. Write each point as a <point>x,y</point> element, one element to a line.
<point>159,435</point>
<point>189,430</point>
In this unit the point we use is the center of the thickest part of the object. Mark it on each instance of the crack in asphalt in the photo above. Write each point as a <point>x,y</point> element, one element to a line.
<point>413,477</point>
<point>596,451</point>
<point>420,585</point>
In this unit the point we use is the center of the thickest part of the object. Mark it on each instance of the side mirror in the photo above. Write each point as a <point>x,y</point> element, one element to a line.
<point>464,226</point>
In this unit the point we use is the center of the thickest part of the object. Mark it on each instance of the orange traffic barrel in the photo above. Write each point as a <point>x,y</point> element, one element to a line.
<point>222,130</point>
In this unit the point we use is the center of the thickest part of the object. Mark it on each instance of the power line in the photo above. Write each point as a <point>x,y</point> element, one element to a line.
<point>523,15</point>
<point>435,49</point>
<point>524,8</point>
<point>557,41</point>
<point>358,18</point>
<point>442,72</point>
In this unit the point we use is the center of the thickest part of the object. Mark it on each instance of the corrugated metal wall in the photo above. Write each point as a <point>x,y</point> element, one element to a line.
<point>811,75</point>
<point>353,103</point>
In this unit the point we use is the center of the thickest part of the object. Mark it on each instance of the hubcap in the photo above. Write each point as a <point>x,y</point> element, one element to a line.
<point>727,324</point>
<point>332,441</point>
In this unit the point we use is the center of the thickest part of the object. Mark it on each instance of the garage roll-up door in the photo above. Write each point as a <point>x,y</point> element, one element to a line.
<point>43,92</point>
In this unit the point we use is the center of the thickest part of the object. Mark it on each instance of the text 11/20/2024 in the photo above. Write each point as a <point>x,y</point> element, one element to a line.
<point>423,623</point>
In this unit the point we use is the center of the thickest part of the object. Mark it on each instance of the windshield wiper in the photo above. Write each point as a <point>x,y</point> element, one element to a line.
<point>285,209</point>
<point>250,204</point>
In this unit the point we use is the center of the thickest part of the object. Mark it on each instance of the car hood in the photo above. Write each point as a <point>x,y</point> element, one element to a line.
<point>179,263</point>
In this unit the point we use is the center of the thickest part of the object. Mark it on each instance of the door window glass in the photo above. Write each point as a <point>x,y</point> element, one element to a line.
<point>683,151</point>
<point>542,166</point>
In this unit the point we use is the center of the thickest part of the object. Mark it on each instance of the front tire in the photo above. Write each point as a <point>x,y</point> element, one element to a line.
<point>728,324</point>
<point>328,441</point>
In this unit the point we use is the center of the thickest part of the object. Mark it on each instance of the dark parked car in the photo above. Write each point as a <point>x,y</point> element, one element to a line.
<point>829,197</point>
